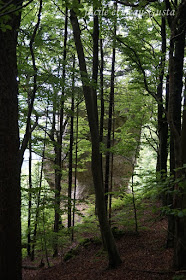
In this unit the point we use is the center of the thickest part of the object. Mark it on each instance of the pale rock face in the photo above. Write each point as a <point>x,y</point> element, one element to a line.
<point>122,171</point>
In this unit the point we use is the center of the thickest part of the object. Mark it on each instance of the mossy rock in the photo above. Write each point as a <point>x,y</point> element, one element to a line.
<point>84,243</point>
<point>117,233</point>
<point>71,253</point>
<point>87,241</point>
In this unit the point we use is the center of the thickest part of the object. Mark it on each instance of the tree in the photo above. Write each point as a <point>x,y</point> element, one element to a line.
<point>71,152</point>
<point>92,112</point>
<point>110,114</point>
<point>58,142</point>
<point>162,119</point>
<point>30,197</point>
<point>10,227</point>
<point>176,57</point>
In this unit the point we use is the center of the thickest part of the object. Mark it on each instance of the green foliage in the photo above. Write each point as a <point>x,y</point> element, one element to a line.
<point>117,233</point>
<point>4,23</point>
<point>70,254</point>
<point>137,53</point>
<point>85,242</point>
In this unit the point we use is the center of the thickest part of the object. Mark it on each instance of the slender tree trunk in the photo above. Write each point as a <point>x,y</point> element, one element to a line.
<point>28,133</point>
<point>170,231</point>
<point>39,195</point>
<point>45,235</point>
<point>162,120</point>
<point>114,258</point>
<point>101,93</point>
<point>108,153</point>
<point>58,146</point>
<point>29,198</point>
<point>133,201</point>
<point>176,57</point>
<point>71,153</point>
<point>101,127</point>
<point>179,201</point>
<point>110,116</point>
<point>10,197</point>
<point>75,173</point>
<point>111,172</point>
<point>31,98</point>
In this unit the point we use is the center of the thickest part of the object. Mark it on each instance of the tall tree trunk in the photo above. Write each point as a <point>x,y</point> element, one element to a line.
<point>101,92</point>
<point>75,173</point>
<point>162,120</point>
<point>170,231</point>
<point>28,132</point>
<point>39,194</point>
<point>10,197</point>
<point>111,171</point>
<point>71,152</point>
<point>110,116</point>
<point>31,98</point>
<point>29,197</point>
<point>180,220</point>
<point>114,258</point>
<point>101,127</point>
<point>58,146</point>
<point>179,201</point>
<point>176,57</point>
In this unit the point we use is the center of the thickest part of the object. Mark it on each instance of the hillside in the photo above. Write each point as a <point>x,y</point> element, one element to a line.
<point>144,255</point>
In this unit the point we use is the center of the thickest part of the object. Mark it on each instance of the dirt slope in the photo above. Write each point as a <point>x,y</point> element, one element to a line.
<point>144,256</point>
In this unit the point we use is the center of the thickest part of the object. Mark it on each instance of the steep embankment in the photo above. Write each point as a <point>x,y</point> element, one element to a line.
<point>144,256</point>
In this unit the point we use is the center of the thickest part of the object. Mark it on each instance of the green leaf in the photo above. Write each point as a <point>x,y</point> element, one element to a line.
<point>5,27</point>
<point>8,27</point>
<point>180,214</point>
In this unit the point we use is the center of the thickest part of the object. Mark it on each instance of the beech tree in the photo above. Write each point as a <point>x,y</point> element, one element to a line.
<point>177,26</point>
<point>10,224</point>
<point>110,115</point>
<point>171,114</point>
<point>92,112</point>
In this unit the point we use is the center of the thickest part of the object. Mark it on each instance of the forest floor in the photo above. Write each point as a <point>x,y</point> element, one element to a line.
<point>144,256</point>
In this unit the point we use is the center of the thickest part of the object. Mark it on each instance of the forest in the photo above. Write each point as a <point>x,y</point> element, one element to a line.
<point>92,139</point>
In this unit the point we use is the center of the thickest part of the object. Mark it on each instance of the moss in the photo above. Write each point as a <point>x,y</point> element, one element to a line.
<point>118,233</point>
<point>84,243</point>
<point>71,253</point>
<point>87,241</point>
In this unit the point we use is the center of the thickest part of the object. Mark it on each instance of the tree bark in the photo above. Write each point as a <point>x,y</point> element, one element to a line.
<point>39,194</point>
<point>29,198</point>
<point>176,57</point>
<point>76,166</point>
<point>162,120</point>
<point>170,231</point>
<point>58,144</point>
<point>110,116</point>
<point>71,153</point>
<point>10,197</point>
<point>31,98</point>
<point>114,258</point>
<point>180,222</point>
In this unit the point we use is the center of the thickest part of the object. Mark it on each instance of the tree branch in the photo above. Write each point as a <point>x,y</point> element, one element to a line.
<point>140,67</point>
<point>139,4</point>
<point>32,98</point>
<point>15,10</point>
